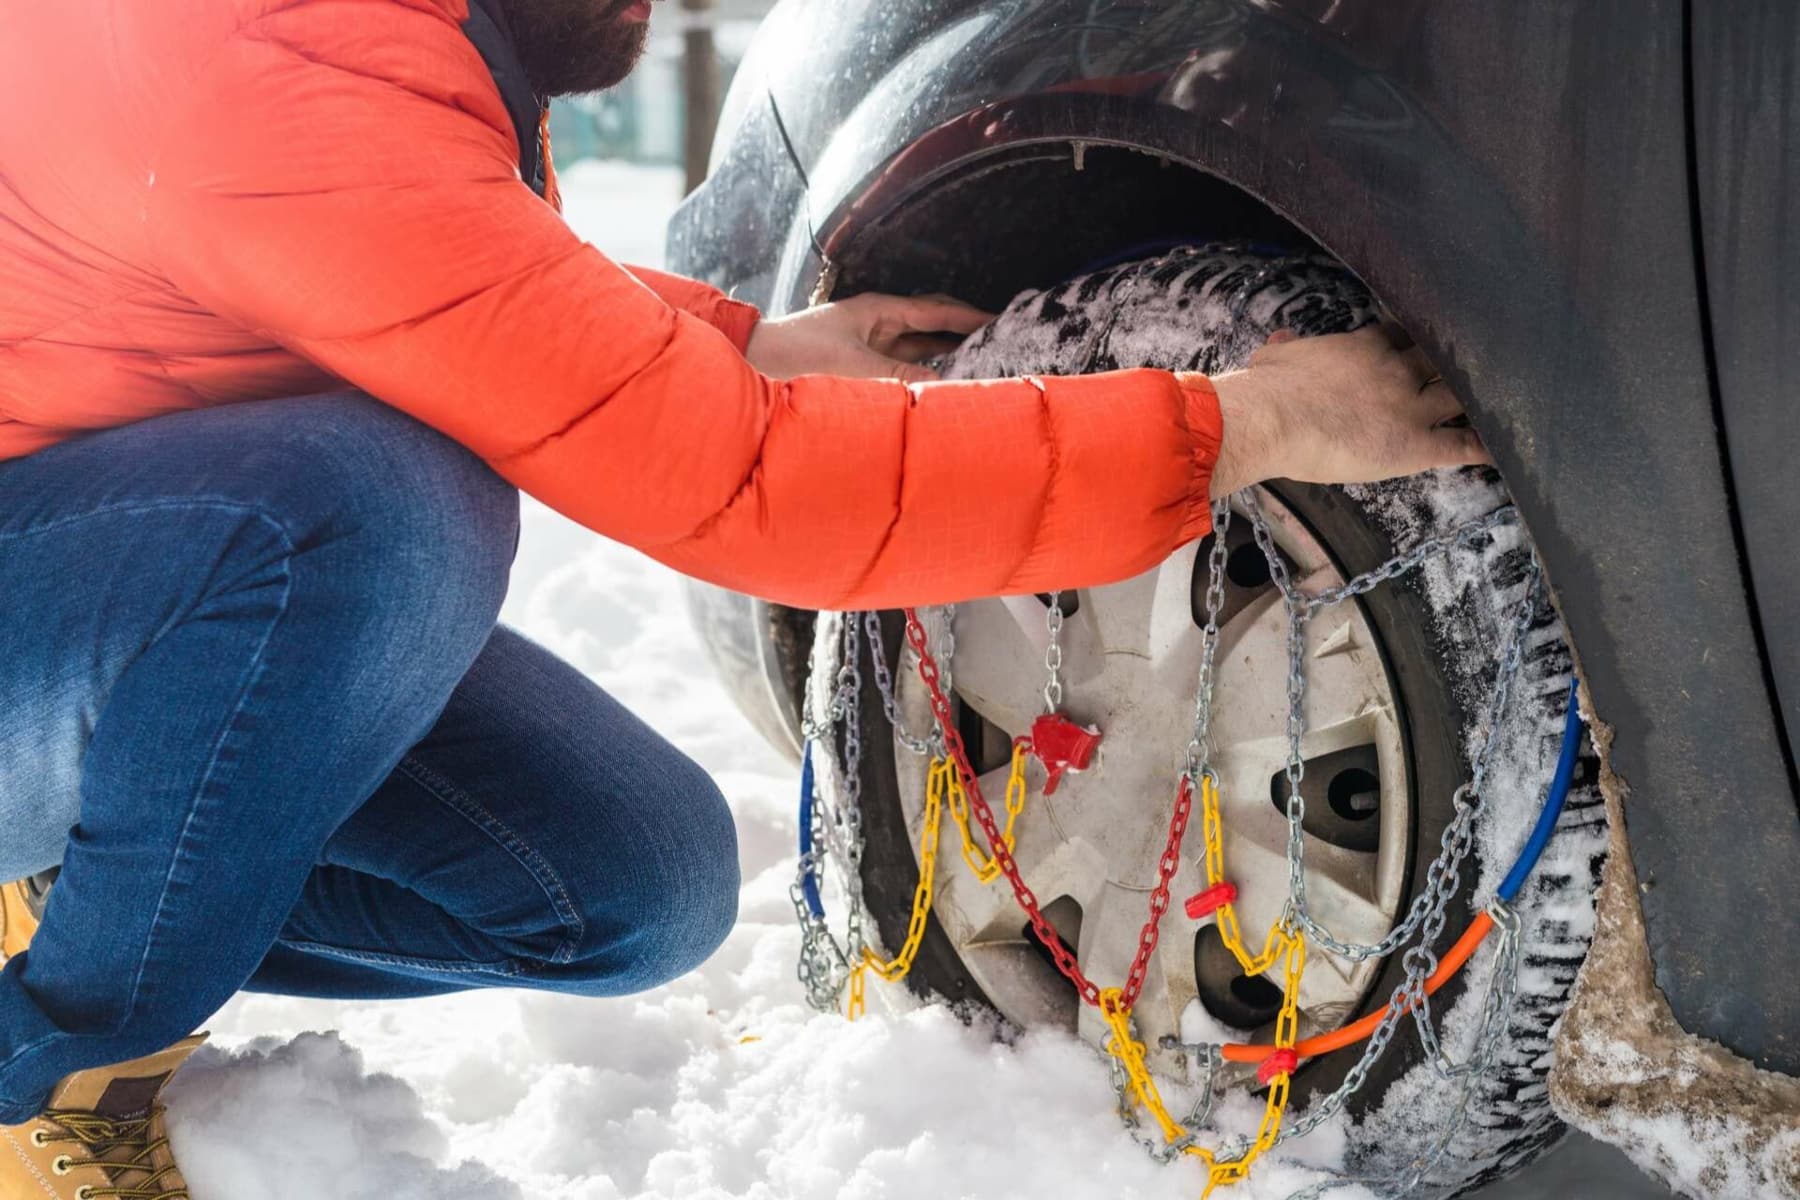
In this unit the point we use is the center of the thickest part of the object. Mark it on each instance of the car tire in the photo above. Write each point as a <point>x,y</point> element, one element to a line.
<point>1442,628</point>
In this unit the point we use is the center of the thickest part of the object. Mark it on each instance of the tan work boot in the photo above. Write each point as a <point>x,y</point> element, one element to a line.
<point>100,1137</point>
<point>18,920</point>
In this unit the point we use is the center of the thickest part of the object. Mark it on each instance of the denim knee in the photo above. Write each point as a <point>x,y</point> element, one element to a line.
<point>704,883</point>
<point>694,903</point>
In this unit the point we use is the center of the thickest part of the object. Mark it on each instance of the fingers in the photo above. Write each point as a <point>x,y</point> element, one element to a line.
<point>1260,355</point>
<point>1458,446</point>
<point>961,305</point>
<point>913,373</point>
<point>1437,403</point>
<point>1448,445</point>
<point>871,365</point>
<point>935,314</point>
<point>1417,363</point>
<point>917,347</point>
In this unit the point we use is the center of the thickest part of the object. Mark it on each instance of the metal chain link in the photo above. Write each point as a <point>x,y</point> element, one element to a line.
<point>1427,915</point>
<point>845,818</point>
<point>825,964</point>
<point>1497,1005</point>
<point>1461,537</point>
<point>1199,747</point>
<point>1469,799</point>
<point>947,656</point>
<point>1193,1125</point>
<point>884,683</point>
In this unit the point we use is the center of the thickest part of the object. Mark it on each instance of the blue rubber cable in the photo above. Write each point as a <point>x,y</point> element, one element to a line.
<point>1573,728</point>
<point>808,882</point>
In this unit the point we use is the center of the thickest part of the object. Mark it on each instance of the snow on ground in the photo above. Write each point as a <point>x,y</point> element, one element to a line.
<point>721,1084</point>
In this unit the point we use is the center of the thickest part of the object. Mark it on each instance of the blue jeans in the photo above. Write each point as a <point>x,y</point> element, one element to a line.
<point>255,703</point>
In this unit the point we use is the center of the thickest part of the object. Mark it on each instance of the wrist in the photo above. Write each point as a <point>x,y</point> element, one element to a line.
<point>752,336</point>
<point>1247,447</point>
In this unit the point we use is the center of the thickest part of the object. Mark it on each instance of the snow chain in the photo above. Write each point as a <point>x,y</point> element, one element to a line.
<point>828,967</point>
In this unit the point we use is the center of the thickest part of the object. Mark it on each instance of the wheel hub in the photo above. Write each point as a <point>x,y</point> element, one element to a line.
<point>1089,852</point>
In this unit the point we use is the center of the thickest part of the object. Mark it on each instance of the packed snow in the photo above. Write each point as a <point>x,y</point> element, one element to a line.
<point>721,1084</point>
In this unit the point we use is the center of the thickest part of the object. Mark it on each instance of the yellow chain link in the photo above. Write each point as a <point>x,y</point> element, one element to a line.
<point>1130,1053</point>
<point>857,1007</point>
<point>983,864</point>
<point>1287,1030</point>
<point>1284,943</point>
<point>1226,915</point>
<point>940,780</point>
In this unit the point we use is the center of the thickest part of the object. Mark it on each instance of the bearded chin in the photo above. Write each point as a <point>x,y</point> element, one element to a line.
<point>570,47</point>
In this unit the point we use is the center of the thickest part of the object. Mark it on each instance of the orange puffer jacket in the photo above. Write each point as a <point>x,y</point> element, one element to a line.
<point>212,201</point>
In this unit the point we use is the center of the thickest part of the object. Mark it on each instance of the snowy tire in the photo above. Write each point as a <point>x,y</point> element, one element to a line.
<point>1439,632</point>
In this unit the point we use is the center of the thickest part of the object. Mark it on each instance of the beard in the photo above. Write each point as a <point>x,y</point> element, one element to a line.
<point>573,46</point>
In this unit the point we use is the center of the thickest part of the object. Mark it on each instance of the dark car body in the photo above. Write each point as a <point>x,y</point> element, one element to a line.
<point>1585,212</point>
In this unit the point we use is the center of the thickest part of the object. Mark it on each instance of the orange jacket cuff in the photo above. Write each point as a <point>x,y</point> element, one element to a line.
<point>736,319</point>
<point>1206,431</point>
<point>733,318</point>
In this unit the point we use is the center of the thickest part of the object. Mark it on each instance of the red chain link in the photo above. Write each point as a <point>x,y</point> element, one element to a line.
<point>1159,899</point>
<point>978,805</point>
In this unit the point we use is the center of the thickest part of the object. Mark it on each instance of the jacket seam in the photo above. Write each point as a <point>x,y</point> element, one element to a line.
<point>562,430</point>
<point>887,534</point>
<point>1052,475</point>
<point>159,139</point>
<point>745,485</point>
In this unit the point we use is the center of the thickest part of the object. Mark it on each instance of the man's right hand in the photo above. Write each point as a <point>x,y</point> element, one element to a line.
<point>1341,408</point>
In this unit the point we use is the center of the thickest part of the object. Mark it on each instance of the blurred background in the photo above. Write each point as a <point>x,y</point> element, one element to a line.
<point>663,115</point>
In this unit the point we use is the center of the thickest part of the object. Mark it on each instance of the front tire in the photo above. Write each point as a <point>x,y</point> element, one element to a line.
<point>1438,631</point>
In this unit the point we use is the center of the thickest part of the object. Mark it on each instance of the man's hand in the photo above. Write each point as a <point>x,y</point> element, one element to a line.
<point>865,337</point>
<point>1342,408</point>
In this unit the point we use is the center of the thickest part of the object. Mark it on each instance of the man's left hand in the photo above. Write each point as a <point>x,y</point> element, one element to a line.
<point>870,336</point>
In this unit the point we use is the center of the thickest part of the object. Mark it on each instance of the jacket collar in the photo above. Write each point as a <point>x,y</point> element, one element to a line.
<point>491,32</point>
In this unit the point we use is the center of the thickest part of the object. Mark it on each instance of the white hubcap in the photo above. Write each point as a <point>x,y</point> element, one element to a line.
<point>1089,853</point>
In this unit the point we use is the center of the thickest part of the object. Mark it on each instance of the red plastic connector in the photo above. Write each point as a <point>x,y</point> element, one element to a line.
<point>1062,745</point>
<point>1282,1062</point>
<point>1204,904</point>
